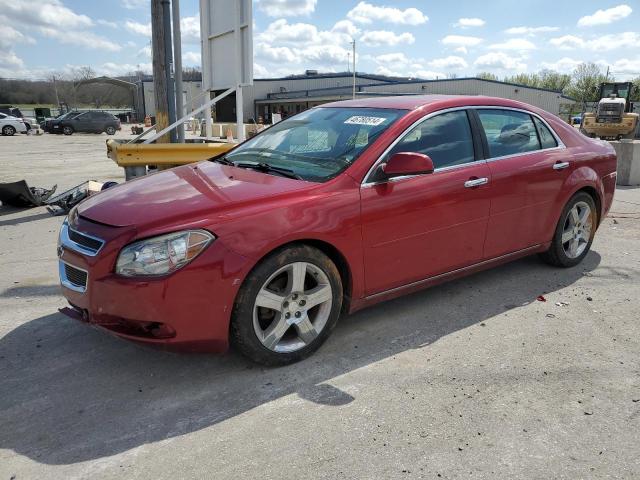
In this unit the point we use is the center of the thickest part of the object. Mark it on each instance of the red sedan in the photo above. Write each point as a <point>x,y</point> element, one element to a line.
<point>330,211</point>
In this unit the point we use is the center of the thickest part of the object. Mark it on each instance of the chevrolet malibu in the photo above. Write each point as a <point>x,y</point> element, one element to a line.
<point>327,212</point>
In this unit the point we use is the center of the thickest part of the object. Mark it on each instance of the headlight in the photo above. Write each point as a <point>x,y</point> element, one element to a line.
<point>163,254</point>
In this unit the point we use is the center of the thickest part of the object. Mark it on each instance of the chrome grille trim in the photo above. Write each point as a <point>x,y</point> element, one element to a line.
<point>90,242</point>
<point>71,277</point>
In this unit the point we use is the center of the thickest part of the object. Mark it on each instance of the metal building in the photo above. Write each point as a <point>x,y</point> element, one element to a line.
<point>292,94</point>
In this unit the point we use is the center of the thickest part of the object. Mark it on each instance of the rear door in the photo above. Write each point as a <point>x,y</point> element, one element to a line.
<point>420,226</point>
<point>528,168</point>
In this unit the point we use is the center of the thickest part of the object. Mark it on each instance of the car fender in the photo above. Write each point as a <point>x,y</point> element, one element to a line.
<point>580,178</point>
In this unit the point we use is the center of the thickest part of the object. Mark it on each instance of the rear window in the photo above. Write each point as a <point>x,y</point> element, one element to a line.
<point>508,132</point>
<point>547,140</point>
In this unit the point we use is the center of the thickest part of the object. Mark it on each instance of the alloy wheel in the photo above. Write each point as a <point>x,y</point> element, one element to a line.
<point>292,307</point>
<point>577,230</point>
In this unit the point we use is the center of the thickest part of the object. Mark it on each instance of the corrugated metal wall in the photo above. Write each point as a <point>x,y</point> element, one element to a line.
<point>549,101</point>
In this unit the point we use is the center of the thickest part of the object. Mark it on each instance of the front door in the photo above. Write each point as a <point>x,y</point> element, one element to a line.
<point>420,226</point>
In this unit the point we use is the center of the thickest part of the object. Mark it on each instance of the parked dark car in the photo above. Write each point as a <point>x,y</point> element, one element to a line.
<point>89,122</point>
<point>52,125</point>
<point>9,110</point>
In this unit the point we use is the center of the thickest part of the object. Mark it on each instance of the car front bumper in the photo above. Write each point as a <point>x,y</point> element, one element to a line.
<point>189,309</point>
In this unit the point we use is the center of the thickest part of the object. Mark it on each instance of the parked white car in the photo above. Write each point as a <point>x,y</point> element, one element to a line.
<point>9,125</point>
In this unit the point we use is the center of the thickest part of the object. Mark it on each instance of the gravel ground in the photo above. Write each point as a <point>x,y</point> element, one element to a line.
<point>471,379</point>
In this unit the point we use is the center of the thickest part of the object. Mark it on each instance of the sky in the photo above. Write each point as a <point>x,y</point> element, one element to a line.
<point>416,38</point>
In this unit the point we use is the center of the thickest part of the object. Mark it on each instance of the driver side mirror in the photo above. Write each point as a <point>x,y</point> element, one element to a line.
<point>407,163</point>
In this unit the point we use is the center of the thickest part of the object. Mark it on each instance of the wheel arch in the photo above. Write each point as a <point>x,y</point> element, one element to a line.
<point>335,255</point>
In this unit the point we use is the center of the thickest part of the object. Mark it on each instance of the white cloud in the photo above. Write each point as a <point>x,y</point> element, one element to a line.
<point>449,63</point>
<point>603,43</point>
<point>626,67</point>
<point>500,60</point>
<point>132,4</point>
<point>9,61</point>
<point>281,32</point>
<point>392,58</point>
<point>519,44</point>
<point>287,8</point>
<point>378,38</point>
<point>191,59</point>
<point>461,41</point>
<point>530,30</point>
<point>469,22</point>
<point>190,29</point>
<point>604,17</point>
<point>462,50</point>
<point>564,65</point>
<point>9,37</point>
<point>50,14</point>
<point>614,41</point>
<point>365,12</point>
<point>428,74</point>
<point>107,23</point>
<point>81,39</point>
<point>567,42</point>
<point>259,71</point>
<point>138,28</point>
<point>346,27</point>
<point>145,52</point>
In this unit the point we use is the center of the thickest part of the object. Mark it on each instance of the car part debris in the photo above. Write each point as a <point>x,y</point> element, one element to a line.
<point>19,194</point>
<point>61,204</point>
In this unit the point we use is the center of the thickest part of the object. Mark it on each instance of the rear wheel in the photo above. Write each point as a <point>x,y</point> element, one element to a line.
<point>8,130</point>
<point>67,130</point>
<point>110,130</point>
<point>574,232</point>
<point>287,306</point>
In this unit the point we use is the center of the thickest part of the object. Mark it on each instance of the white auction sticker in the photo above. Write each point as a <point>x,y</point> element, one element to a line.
<point>362,120</point>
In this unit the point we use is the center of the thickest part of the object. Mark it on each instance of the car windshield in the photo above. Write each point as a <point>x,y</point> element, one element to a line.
<point>317,144</point>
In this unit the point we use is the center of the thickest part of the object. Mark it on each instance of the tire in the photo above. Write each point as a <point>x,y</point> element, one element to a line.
<point>8,130</point>
<point>578,223</point>
<point>67,130</point>
<point>110,130</point>
<point>288,329</point>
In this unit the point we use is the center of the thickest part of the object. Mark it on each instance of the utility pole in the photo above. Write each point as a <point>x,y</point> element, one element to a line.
<point>177,52</point>
<point>168,53</point>
<point>353,44</point>
<point>159,69</point>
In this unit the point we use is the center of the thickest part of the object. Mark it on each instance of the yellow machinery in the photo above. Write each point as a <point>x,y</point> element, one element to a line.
<point>612,119</point>
<point>163,154</point>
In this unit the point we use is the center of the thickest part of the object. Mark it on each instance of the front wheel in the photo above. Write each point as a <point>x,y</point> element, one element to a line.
<point>67,130</point>
<point>110,130</point>
<point>8,130</point>
<point>287,306</point>
<point>574,232</point>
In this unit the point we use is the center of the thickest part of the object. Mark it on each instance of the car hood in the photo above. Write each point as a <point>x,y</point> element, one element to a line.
<point>203,192</point>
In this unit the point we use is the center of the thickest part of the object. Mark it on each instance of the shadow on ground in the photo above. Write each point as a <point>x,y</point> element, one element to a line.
<point>71,393</point>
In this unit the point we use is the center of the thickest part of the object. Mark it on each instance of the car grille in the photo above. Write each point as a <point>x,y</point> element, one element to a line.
<point>89,243</point>
<point>75,276</point>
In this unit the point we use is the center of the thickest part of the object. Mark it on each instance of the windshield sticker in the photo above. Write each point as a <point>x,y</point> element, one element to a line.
<point>362,120</point>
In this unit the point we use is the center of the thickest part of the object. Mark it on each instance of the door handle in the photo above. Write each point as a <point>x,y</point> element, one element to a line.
<point>560,165</point>
<point>476,182</point>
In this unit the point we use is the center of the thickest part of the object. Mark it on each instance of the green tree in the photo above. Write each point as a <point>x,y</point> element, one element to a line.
<point>527,79</point>
<point>585,82</point>
<point>635,94</point>
<point>486,76</point>
<point>552,80</point>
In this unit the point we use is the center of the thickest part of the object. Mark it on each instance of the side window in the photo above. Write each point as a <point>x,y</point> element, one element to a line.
<point>508,132</point>
<point>446,138</point>
<point>547,140</point>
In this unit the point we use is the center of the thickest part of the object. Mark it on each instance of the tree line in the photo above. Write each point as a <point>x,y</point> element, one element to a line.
<point>583,84</point>
<point>63,89</point>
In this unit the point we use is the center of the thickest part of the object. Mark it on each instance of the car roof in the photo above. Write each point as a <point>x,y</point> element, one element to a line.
<point>432,102</point>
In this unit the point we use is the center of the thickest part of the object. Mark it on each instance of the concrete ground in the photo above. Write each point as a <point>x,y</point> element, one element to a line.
<point>472,379</point>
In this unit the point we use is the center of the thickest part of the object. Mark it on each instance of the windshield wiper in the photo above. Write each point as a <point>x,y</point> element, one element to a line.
<point>267,168</point>
<point>223,160</point>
